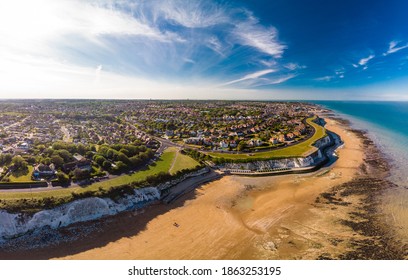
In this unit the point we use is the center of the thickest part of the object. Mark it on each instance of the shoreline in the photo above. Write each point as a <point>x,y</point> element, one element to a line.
<point>241,210</point>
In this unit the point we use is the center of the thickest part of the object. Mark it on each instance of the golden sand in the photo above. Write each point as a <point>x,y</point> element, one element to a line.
<point>242,218</point>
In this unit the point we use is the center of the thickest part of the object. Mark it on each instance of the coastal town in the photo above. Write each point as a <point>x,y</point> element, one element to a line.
<point>222,125</point>
<point>84,141</point>
<point>69,161</point>
<point>55,153</point>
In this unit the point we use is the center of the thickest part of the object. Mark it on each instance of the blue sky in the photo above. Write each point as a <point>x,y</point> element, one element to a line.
<point>259,49</point>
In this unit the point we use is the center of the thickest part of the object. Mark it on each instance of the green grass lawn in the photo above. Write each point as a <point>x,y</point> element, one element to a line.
<point>182,162</point>
<point>297,150</point>
<point>22,178</point>
<point>162,165</point>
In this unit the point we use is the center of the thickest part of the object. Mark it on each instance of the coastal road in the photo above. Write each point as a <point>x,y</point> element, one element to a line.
<point>165,143</point>
<point>189,185</point>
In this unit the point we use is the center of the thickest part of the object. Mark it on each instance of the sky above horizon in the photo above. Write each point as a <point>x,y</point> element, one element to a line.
<point>178,49</point>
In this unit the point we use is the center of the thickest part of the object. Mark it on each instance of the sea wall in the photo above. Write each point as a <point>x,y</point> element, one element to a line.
<point>273,164</point>
<point>311,160</point>
<point>81,210</point>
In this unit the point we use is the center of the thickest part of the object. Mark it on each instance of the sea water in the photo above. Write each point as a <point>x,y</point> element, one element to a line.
<point>387,125</point>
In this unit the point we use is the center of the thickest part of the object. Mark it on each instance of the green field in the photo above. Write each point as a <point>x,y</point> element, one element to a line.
<point>182,162</point>
<point>297,150</point>
<point>162,165</point>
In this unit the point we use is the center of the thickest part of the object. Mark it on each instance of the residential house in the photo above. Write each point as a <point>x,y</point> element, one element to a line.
<point>43,171</point>
<point>223,144</point>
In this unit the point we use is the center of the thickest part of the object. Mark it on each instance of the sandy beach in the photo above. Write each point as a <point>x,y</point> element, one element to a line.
<point>243,218</point>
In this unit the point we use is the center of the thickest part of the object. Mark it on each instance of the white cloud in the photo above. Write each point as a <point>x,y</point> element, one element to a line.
<point>268,63</point>
<point>264,39</point>
<point>294,66</point>
<point>365,60</point>
<point>281,79</point>
<point>215,44</point>
<point>46,19</point>
<point>241,24</point>
<point>325,78</point>
<point>57,46</point>
<point>250,76</point>
<point>191,14</point>
<point>392,48</point>
<point>189,60</point>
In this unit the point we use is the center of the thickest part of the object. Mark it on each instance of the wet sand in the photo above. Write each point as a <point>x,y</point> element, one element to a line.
<point>246,218</point>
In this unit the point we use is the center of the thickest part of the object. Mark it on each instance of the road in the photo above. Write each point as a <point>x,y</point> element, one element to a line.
<point>189,185</point>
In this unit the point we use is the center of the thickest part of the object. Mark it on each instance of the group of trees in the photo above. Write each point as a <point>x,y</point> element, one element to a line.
<point>5,159</point>
<point>119,158</point>
<point>18,164</point>
<point>200,157</point>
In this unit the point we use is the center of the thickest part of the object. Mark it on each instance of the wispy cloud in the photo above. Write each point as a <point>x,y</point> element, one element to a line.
<point>268,63</point>
<point>84,18</point>
<point>281,79</point>
<point>294,66</point>
<point>264,81</point>
<point>265,39</point>
<point>325,78</point>
<point>215,44</point>
<point>192,14</point>
<point>251,76</point>
<point>187,41</point>
<point>393,47</point>
<point>365,60</point>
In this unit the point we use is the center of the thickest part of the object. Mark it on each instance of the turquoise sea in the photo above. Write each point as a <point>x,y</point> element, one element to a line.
<point>387,125</point>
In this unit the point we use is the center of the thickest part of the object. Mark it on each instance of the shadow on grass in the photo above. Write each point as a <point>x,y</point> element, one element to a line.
<point>20,173</point>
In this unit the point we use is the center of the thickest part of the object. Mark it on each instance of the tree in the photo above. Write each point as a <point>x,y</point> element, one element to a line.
<point>5,159</point>
<point>41,147</point>
<point>89,154</point>
<point>80,174</point>
<point>241,146</point>
<point>46,161</point>
<point>122,157</point>
<point>99,159</point>
<point>31,160</point>
<point>57,161</point>
<point>135,161</point>
<point>48,151</point>
<point>62,177</point>
<point>19,163</point>
<point>81,149</point>
<point>120,167</point>
<point>106,165</point>
<point>67,156</point>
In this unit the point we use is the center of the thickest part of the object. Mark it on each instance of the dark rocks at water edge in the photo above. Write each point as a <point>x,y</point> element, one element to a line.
<point>377,239</point>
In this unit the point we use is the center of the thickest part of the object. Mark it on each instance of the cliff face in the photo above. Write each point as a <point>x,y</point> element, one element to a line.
<point>272,164</point>
<point>81,210</point>
<point>291,163</point>
<point>322,143</point>
<point>13,225</point>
